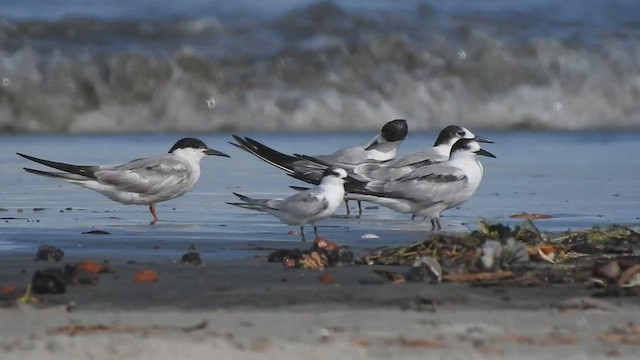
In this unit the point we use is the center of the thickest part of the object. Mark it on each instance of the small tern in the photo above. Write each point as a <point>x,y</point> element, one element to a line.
<point>306,207</point>
<point>430,189</point>
<point>383,147</point>
<point>146,181</point>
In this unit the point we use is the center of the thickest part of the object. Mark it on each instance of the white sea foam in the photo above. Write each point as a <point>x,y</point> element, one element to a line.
<point>324,67</point>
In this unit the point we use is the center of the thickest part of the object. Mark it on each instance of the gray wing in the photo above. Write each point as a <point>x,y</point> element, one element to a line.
<point>304,204</point>
<point>431,183</point>
<point>425,157</point>
<point>348,156</point>
<point>378,171</point>
<point>146,176</point>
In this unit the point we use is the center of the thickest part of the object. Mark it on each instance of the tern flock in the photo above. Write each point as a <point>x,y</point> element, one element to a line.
<point>424,183</point>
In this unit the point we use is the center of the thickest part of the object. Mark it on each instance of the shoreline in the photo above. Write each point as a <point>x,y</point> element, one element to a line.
<point>245,308</point>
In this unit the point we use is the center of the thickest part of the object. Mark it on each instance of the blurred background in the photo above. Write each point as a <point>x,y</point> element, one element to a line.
<point>116,66</point>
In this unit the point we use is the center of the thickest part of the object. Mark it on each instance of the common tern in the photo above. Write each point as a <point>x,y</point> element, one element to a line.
<point>430,189</point>
<point>383,147</point>
<point>145,181</point>
<point>306,207</point>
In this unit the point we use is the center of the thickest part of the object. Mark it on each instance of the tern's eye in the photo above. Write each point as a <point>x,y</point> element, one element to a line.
<point>335,173</point>
<point>460,133</point>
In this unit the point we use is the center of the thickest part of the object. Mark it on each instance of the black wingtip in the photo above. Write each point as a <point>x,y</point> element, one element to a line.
<point>82,170</point>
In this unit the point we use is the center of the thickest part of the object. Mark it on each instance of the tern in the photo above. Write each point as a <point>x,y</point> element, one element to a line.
<point>306,207</point>
<point>430,189</point>
<point>383,147</point>
<point>145,181</point>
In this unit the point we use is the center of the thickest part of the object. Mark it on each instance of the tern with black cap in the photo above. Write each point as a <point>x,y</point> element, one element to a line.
<point>145,181</point>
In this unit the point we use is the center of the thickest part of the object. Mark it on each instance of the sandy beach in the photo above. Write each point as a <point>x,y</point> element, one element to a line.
<point>249,308</point>
<point>238,305</point>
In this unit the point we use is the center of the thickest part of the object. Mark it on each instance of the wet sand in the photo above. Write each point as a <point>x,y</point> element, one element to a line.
<point>255,309</point>
<point>249,308</point>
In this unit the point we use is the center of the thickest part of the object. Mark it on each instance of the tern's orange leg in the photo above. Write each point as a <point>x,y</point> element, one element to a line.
<point>152,210</point>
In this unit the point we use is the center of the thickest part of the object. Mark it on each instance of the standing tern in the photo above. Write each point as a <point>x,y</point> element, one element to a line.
<point>146,181</point>
<point>306,207</point>
<point>383,147</point>
<point>430,189</point>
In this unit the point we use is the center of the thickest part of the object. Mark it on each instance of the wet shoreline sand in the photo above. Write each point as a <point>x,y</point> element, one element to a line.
<point>245,307</point>
<point>253,308</point>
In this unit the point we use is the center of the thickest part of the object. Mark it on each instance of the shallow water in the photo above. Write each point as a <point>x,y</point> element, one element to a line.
<point>582,179</point>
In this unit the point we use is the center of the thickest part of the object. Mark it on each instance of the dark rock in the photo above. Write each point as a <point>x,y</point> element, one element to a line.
<point>49,281</point>
<point>49,253</point>
<point>282,255</point>
<point>341,256</point>
<point>97,232</point>
<point>192,257</point>
<point>78,276</point>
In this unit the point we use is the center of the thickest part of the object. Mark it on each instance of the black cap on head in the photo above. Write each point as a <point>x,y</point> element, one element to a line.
<point>188,143</point>
<point>448,133</point>
<point>470,145</point>
<point>334,171</point>
<point>395,130</point>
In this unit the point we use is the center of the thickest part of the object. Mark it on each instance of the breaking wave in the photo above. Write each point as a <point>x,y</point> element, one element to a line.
<point>320,67</point>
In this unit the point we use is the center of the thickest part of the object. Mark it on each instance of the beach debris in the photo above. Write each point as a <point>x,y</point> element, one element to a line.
<point>314,260</point>
<point>54,280</point>
<point>426,269</point>
<point>192,257</point>
<point>145,276</point>
<point>326,278</point>
<point>609,271</point>
<point>76,275</point>
<point>8,295</point>
<point>73,330</point>
<point>533,216</point>
<point>94,267</point>
<point>416,343</point>
<point>602,258</point>
<point>49,253</point>
<point>494,255</point>
<point>320,255</point>
<point>628,335</point>
<point>7,289</point>
<point>582,303</point>
<point>616,277</point>
<point>49,281</point>
<point>96,232</point>
<point>476,277</point>
<point>27,297</point>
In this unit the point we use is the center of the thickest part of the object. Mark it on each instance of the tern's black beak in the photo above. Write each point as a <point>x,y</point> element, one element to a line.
<point>373,143</point>
<point>215,152</point>
<point>483,140</point>
<point>484,152</point>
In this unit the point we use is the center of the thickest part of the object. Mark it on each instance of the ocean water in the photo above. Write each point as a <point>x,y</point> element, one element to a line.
<point>112,66</point>
<point>582,179</point>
